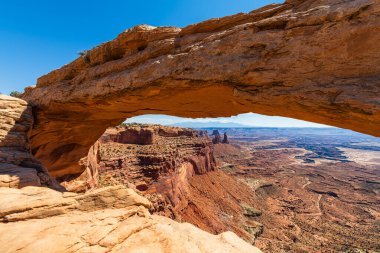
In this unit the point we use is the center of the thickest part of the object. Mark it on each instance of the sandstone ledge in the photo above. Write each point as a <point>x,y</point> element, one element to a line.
<point>112,219</point>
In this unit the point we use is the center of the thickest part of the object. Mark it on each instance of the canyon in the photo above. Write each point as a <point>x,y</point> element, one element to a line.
<point>312,60</point>
<point>175,168</point>
<point>285,190</point>
<point>314,195</point>
<point>107,219</point>
<point>70,183</point>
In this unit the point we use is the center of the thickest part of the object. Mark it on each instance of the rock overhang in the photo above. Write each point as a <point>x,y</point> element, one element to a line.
<point>312,60</point>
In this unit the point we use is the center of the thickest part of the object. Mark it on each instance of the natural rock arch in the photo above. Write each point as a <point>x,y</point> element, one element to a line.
<point>311,60</point>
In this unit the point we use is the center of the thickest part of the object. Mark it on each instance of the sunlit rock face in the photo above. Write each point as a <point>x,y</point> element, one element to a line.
<point>159,161</point>
<point>175,168</point>
<point>111,219</point>
<point>311,60</point>
<point>18,167</point>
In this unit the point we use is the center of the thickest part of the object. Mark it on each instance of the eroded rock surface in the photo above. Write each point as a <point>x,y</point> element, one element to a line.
<point>161,168</point>
<point>327,204</point>
<point>108,219</point>
<point>176,170</point>
<point>112,219</point>
<point>18,167</point>
<point>311,60</point>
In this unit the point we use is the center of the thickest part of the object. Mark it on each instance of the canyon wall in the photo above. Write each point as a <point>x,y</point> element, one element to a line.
<point>175,168</point>
<point>315,60</point>
<point>110,219</point>
<point>18,167</point>
<point>156,160</point>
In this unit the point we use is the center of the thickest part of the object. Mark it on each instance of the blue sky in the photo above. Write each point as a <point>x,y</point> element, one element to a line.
<point>39,36</point>
<point>248,119</point>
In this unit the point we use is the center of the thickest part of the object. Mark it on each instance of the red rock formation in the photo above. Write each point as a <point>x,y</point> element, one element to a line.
<point>89,178</point>
<point>321,207</point>
<point>133,136</point>
<point>144,134</point>
<point>102,220</point>
<point>160,166</point>
<point>311,60</point>
<point>216,137</point>
<point>225,138</point>
<point>18,168</point>
<point>177,173</point>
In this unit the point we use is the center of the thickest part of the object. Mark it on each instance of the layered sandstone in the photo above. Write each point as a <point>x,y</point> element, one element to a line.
<point>175,169</point>
<point>112,219</point>
<point>145,134</point>
<point>158,161</point>
<point>18,168</point>
<point>36,218</point>
<point>312,60</point>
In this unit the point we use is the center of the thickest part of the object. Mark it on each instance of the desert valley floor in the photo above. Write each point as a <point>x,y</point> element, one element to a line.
<point>283,189</point>
<point>320,188</point>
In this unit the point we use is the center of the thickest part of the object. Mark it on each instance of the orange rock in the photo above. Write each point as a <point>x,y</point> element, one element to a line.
<point>18,167</point>
<point>312,60</point>
<point>112,219</point>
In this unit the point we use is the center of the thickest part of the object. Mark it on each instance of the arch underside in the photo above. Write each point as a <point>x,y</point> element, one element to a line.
<point>311,60</point>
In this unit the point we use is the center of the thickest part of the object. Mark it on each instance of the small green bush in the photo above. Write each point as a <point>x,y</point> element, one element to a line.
<point>16,94</point>
<point>83,52</point>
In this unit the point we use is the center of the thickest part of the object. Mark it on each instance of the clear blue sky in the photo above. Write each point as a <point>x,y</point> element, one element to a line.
<point>39,36</point>
<point>248,119</point>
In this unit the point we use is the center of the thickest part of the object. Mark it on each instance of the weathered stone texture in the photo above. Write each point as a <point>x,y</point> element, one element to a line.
<point>18,167</point>
<point>312,60</point>
<point>112,219</point>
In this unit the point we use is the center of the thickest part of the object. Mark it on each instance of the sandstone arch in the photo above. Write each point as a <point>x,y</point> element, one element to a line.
<point>316,60</point>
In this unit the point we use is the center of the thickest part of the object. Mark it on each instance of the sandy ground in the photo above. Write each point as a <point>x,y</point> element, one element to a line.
<point>362,157</point>
<point>373,144</point>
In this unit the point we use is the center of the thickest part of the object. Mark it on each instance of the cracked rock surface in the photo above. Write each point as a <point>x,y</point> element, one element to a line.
<point>111,219</point>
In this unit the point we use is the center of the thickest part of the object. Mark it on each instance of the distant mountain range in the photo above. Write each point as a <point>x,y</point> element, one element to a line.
<point>210,124</point>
